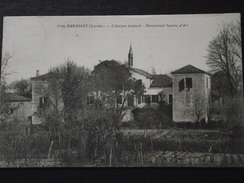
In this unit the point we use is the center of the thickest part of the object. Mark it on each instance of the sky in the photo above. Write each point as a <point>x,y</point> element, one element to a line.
<point>162,42</point>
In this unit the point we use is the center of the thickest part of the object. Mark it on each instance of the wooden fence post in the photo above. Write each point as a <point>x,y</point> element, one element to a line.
<point>110,157</point>
<point>141,154</point>
<point>50,148</point>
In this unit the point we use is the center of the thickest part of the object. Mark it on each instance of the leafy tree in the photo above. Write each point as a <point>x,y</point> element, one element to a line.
<point>112,79</point>
<point>137,87</point>
<point>224,54</point>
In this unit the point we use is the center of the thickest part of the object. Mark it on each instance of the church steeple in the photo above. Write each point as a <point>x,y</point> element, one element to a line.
<point>130,57</point>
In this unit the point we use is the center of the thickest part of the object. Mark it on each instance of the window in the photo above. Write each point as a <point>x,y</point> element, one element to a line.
<point>181,85</point>
<point>119,99</point>
<point>207,83</point>
<point>43,102</point>
<point>147,99</point>
<point>188,82</point>
<point>170,98</point>
<point>154,98</point>
<point>143,99</point>
<point>89,100</point>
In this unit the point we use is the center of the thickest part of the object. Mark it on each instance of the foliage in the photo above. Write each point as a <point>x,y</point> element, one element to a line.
<point>72,81</point>
<point>224,54</point>
<point>22,87</point>
<point>4,65</point>
<point>113,79</point>
<point>103,138</point>
<point>198,106</point>
<point>129,125</point>
<point>230,113</point>
<point>220,86</point>
<point>149,118</point>
<point>4,105</point>
<point>110,76</point>
<point>17,144</point>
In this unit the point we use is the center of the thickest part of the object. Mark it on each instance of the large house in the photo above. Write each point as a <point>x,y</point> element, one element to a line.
<point>187,84</point>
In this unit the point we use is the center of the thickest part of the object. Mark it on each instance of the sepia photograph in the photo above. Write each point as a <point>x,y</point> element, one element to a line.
<point>122,91</point>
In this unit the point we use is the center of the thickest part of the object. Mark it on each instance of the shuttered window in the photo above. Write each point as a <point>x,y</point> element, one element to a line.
<point>188,82</point>
<point>181,85</point>
<point>170,98</point>
<point>43,102</point>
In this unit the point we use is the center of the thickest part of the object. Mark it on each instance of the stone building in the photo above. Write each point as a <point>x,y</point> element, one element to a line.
<point>18,106</point>
<point>154,85</point>
<point>191,94</point>
<point>188,91</point>
<point>42,96</point>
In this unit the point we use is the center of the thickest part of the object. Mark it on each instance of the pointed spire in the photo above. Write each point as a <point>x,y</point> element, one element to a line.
<point>131,51</point>
<point>130,57</point>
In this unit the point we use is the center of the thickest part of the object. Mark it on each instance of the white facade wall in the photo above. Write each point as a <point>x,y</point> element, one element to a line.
<point>183,101</point>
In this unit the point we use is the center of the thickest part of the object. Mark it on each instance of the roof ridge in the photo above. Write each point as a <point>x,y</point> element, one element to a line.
<point>143,72</point>
<point>188,69</point>
<point>43,76</point>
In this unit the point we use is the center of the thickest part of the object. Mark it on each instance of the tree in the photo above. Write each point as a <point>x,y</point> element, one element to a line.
<point>4,104</point>
<point>197,106</point>
<point>138,88</point>
<point>220,88</point>
<point>4,65</point>
<point>22,87</point>
<point>224,54</point>
<point>66,87</point>
<point>72,80</point>
<point>112,79</point>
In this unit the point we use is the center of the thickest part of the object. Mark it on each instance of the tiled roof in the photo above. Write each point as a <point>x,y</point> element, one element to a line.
<point>12,97</point>
<point>45,76</point>
<point>161,80</point>
<point>188,69</point>
<point>142,72</point>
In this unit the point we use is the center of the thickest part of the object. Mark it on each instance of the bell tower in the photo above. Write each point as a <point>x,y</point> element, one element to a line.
<point>130,57</point>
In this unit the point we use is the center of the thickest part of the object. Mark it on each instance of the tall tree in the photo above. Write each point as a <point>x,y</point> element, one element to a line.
<point>72,82</point>
<point>219,85</point>
<point>113,79</point>
<point>4,65</point>
<point>4,105</point>
<point>224,54</point>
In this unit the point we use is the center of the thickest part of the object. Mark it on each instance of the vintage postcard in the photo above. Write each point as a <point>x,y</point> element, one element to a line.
<point>122,91</point>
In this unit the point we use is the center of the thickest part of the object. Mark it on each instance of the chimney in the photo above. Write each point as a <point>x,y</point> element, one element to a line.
<point>37,72</point>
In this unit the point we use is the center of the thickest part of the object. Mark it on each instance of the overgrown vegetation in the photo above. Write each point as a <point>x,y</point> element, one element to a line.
<point>150,118</point>
<point>75,133</point>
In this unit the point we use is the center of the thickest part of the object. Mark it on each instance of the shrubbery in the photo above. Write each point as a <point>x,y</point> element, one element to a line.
<point>149,118</point>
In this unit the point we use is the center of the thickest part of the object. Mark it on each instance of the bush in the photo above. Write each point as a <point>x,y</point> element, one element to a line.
<point>129,125</point>
<point>149,118</point>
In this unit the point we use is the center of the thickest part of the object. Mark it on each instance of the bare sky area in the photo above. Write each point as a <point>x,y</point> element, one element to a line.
<point>165,42</point>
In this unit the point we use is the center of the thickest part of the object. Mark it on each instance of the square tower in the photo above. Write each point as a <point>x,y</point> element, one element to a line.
<point>191,94</point>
